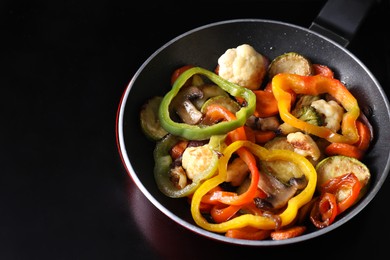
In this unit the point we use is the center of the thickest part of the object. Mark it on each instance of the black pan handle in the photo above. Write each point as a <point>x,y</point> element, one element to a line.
<point>339,20</point>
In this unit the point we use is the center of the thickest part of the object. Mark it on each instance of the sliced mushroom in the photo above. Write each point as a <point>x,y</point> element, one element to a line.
<point>278,193</point>
<point>182,105</point>
<point>178,177</point>
<point>209,91</point>
<point>264,124</point>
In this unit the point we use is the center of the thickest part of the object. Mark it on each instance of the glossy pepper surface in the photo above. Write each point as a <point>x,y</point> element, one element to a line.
<point>203,132</point>
<point>257,221</point>
<point>284,83</point>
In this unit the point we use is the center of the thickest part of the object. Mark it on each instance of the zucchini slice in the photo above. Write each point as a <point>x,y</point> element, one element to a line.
<point>282,170</point>
<point>225,101</point>
<point>338,165</point>
<point>209,91</point>
<point>290,62</point>
<point>150,123</point>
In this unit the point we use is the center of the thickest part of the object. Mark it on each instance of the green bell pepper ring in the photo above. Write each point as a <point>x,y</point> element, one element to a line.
<point>202,132</point>
<point>163,163</point>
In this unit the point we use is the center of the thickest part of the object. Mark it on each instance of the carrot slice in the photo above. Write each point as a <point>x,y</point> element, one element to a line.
<point>249,233</point>
<point>266,104</point>
<point>263,136</point>
<point>288,233</point>
<point>344,149</point>
<point>178,149</point>
<point>250,134</point>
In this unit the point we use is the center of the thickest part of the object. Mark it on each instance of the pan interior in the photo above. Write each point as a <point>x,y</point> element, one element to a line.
<point>202,47</point>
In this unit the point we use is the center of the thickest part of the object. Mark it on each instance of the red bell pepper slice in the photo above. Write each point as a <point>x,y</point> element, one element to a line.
<point>215,111</point>
<point>324,210</point>
<point>346,181</point>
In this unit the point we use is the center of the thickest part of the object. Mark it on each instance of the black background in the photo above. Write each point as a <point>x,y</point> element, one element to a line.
<point>64,193</point>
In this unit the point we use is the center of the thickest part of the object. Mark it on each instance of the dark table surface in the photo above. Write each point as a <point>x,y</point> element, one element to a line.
<point>64,193</point>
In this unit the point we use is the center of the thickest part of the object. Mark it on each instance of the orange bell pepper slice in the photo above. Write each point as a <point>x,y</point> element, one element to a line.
<point>315,85</point>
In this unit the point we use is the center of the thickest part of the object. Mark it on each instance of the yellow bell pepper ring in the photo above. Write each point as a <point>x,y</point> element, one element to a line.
<point>315,85</point>
<point>261,222</point>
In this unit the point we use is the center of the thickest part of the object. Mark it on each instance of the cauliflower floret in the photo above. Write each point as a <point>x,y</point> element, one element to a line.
<point>243,66</point>
<point>304,145</point>
<point>333,113</point>
<point>196,160</point>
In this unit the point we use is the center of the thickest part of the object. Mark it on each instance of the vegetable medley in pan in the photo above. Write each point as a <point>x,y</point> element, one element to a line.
<point>258,148</point>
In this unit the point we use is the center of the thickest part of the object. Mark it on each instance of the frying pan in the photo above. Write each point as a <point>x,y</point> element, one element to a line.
<point>324,42</point>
